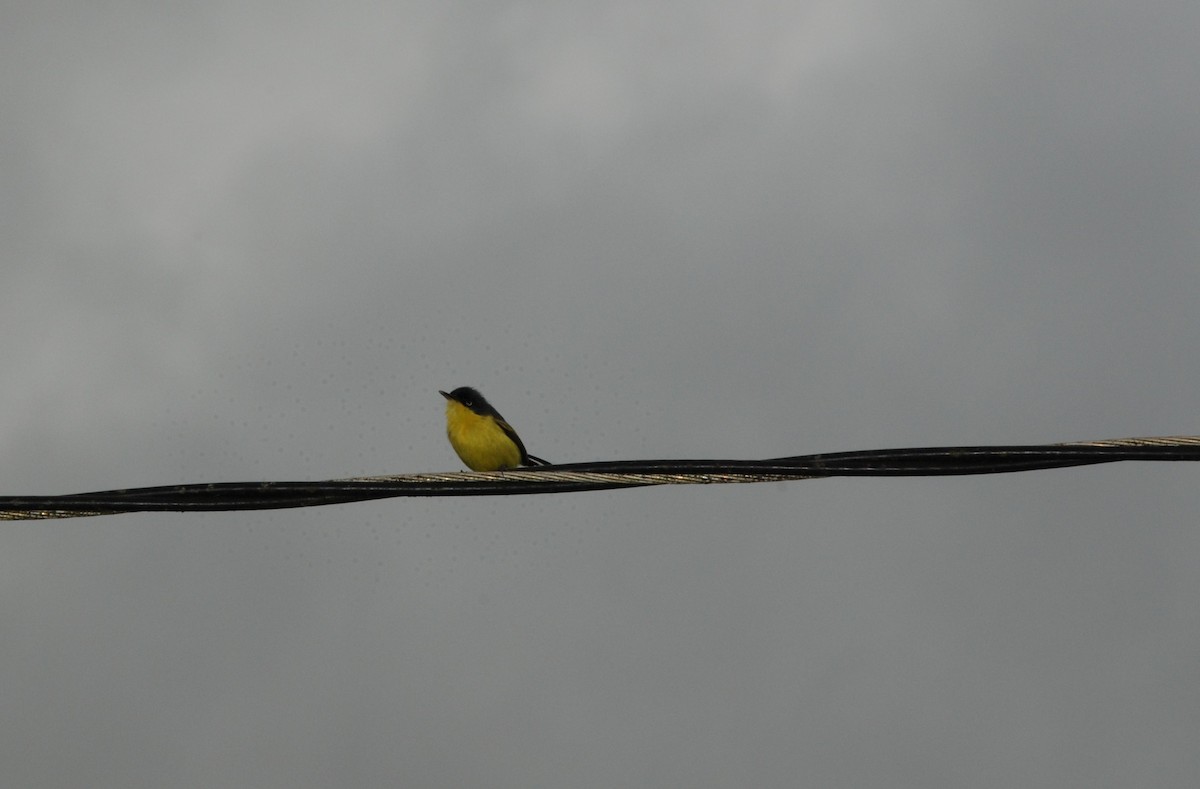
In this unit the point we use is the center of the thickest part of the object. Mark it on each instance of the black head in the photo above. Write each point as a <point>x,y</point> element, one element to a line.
<point>469,397</point>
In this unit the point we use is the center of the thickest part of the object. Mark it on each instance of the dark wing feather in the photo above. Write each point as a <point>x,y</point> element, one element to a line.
<point>526,458</point>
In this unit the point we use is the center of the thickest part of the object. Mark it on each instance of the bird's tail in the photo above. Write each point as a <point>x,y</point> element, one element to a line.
<point>536,461</point>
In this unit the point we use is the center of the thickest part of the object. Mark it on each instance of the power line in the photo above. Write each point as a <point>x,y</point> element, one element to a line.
<point>608,475</point>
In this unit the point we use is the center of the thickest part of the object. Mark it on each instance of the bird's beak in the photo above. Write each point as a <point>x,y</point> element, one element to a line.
<point>443,394</point>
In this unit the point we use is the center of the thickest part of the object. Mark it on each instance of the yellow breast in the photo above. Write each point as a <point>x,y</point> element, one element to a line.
<point>478,440</point>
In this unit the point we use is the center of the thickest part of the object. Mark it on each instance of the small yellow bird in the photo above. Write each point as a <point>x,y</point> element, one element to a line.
<point>480,436</point>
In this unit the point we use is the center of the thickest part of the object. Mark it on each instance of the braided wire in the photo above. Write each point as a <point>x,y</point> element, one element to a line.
<point>609,475</point>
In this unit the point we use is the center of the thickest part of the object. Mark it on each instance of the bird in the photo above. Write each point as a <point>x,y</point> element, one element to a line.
<point>480,436</point>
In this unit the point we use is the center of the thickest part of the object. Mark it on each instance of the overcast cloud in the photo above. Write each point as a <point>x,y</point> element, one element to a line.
<point>252,240</point>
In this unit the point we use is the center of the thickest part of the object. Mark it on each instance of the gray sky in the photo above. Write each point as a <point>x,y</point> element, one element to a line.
<point>252,240</point>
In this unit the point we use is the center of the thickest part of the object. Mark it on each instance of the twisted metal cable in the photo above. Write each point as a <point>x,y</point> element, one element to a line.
<point>930,461</point>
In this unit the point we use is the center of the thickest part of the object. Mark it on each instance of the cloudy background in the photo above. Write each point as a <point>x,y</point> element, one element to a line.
<point>251,240</point>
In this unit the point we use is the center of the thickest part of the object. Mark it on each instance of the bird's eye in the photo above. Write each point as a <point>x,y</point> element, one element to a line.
<point>469,402</point>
